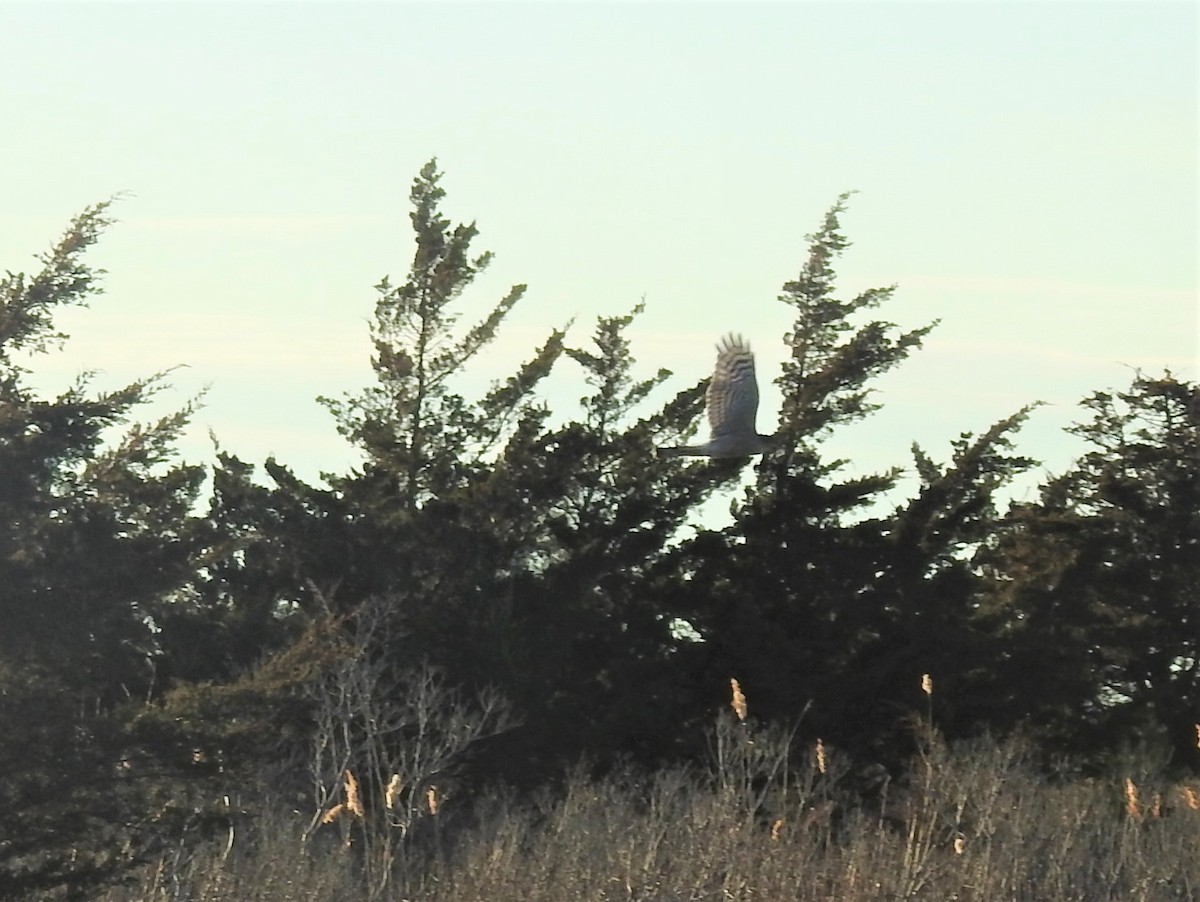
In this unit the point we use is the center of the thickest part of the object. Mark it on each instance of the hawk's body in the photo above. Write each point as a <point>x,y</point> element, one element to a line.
<point>732,401</point>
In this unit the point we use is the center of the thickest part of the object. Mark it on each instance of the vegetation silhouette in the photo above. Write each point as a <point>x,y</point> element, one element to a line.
<point>496,648</point>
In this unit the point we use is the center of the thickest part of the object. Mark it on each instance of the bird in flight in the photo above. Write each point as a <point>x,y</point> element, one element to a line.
<point>732,401</point>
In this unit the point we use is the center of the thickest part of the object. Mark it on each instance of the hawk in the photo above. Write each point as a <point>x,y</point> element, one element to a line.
<point>732,401</point>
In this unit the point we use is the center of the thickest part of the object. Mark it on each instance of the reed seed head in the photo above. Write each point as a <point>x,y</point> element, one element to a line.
<point>1132,808</point>
<point>393,790</point>
<point>821,763</point>
<point>738,702</point>
<point>1190,798</point>
<point>927,684</point>
<point>353,802</point>
<point>333,813</point>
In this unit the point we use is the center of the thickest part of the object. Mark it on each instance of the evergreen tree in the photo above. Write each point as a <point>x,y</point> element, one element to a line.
<point>814,599</point>
<point>510,550</point>
<point>585,647</point>
<point>95,539</point>
<point>1095,585</point>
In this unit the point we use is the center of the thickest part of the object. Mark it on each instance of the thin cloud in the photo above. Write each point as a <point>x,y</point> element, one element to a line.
<point>280,224</point>
<point>1051,352</point>
<point>1048,288</point>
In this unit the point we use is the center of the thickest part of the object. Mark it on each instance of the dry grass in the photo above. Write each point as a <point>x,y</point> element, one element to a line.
<point>978,821</point>
<point>974,822</point>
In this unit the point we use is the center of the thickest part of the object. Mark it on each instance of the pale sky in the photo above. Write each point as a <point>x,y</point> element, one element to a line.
<point>1027,173</point>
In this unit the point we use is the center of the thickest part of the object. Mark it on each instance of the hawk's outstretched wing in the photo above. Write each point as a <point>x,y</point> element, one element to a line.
<point>732,402</point>
<point>732,396</point>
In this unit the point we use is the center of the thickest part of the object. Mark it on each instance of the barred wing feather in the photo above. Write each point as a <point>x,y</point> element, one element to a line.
<point>732,401</point>
<point>732,397</point>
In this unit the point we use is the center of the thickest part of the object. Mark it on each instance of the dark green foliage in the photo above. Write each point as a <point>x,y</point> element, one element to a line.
<point>95,539</point>
<point>514,554</point>
<point>824,383</point>
<point>814,594</point>
<point>170,679</point>
<point>421,438</point>
<point>1097,584</point>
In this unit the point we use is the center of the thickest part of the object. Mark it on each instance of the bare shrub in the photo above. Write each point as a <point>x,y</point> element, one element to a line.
<point>385,746</point>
